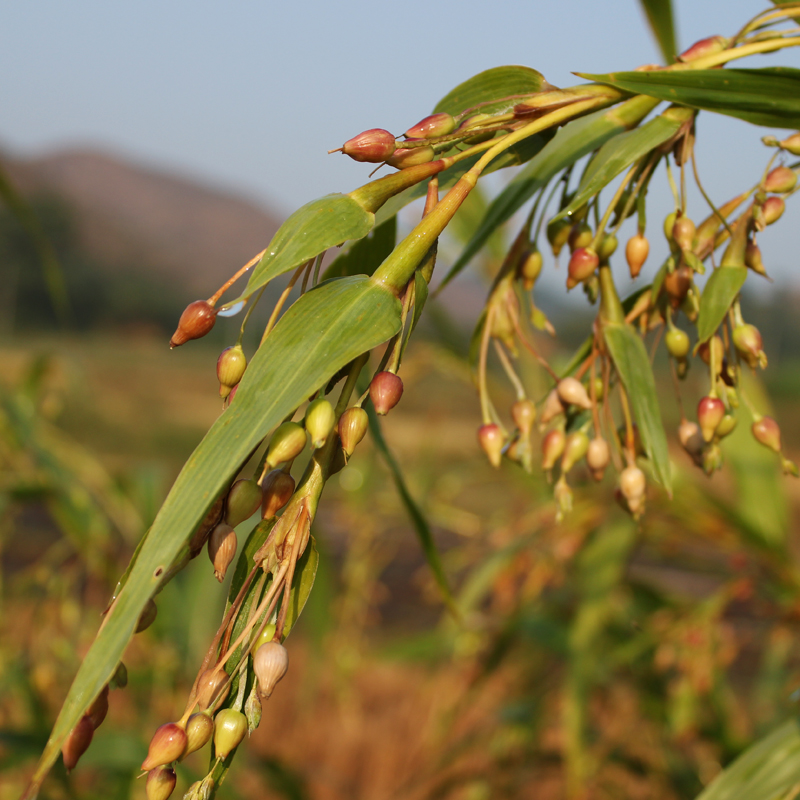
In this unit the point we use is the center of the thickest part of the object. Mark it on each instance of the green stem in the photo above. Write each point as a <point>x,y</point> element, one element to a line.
<point>610,306</point>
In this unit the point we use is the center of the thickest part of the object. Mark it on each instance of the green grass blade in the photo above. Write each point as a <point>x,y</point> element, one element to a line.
<point>765,771</point>
<point>415,514</point>
<point>324,330</point>
<point>633,365</point>
<point>662,23</point>
<point>769,96</point>
<point>718,294</point>
<point>618,154</point>
<point>366,254</point>
<point>491,88</point>
<point>326,222</point>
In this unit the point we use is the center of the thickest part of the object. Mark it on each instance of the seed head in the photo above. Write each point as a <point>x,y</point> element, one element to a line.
<point>319,421</point>
<point>222,546</point>
<point>119,680</point>
<point>752,258</point>
<point>572,392</point>
<point>430,127</point>
<point>726,426</point>
<point>530,268</point>
<point>773,209</point>
<point>633,485</point>
<point>353,426</point>
<point>705,47</point>
<point>683,232</point>
<point>598,457</point>
<point>373,146</point>
<point>385,391</point>
<point>523,412</point>
<point>243,500</point>
<point>767,432</point>
<point>166,746</point>
<point>197,320</point>
<point>286,444</point>
<point>636,251</point>
<point>677,284</point>
<point>77,742</point>
<point>551,408</point>
<point>582,265</point>
<point>558,234</point>
<point>677,343</point>
<point>710,411</point>
<point>231,365</point>
<point>230,727</point>
<point>580,236</point>
<point>791,144</point>
<point>199,728</point>
<point>410,157</point>
<point>147,616</point>
<point>552,447</point>
<point>492,441</point>
<point>212,685</point>
<point>575,448</point>
<point>270,664</point>
<point>607,248</point>
<point>99,708</point>
<point>691,439</point>
<point>780,180</point>
<point>748,343</point>
<point>278,487</point>
<point>160,783</point>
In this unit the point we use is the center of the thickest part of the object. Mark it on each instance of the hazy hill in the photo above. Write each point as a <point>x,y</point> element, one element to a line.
<point>136,219</point>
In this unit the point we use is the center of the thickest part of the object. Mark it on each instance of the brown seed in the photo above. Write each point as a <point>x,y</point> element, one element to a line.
<point>598,457</point>
<point>160,783</point>
<point>492,441</point>
<point>212,686</point>
<point>767,432</point>
<point>430,127</point>
<point>353,426</point>
<point>197,320</point>
<point>166,746</point>
<point>222,546</point>
<point>99,708</point>
<point>147,617</point>
<point>278,487</point>
<point>385,391</point>
<point>572,392</point>
<point>677,284</point>
<point>212,517</point>
<point>552,447</point>
<point>523,412</point>
<point>244,499</point>
<point>199,728</point>
<point>270,664</point>
<point>710,411</point>
<point>582,265</point>
<point>372,146</point>
<point>77,742</point>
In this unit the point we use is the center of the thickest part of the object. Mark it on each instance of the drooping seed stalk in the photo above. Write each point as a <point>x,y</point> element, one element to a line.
<point>227,285</point>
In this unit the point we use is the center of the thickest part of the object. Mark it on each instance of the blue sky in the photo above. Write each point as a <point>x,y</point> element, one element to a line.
<point>249,96</point>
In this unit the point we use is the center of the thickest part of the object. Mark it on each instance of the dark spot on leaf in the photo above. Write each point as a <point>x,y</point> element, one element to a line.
<point>159,572</point>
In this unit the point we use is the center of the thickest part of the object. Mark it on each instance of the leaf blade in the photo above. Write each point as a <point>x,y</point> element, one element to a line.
<point>490,88</point>
<point>769,96</point>
<point>323,223</point>
<point>324,330</point>
<point>718,294</point>
<point>662,24</point>
<point>633,365</point>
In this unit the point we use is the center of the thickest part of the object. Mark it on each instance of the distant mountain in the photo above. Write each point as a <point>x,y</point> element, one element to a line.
<point>138,219</point>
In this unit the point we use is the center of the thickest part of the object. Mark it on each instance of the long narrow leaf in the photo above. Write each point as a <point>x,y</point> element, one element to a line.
<point>769,96</point>
<point>618,154</point>
<point>662,23</point>
<point>317,336</point>
<point>415,514</point>
<point>719,292</point>
<point>326,222</point>
<point>633,365</point>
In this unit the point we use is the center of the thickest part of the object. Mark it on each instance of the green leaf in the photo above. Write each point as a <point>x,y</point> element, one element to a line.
<point>662,23</point>
<point>719,293</point>
<point>324,330</point>
<point>765,771</point>
<point>572,142</point>
<point>421,526</point>
<point>494,90</point>
<point>768,96</point>
<point>366,254</point>
<point>618,154</point>
<point>326,222</point>
<point>633,365</point>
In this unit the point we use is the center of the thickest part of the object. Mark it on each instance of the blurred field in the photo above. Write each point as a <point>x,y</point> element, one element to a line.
<point>596,658</point>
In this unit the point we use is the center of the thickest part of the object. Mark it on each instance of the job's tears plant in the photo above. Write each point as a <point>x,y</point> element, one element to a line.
<point>300,404</point>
